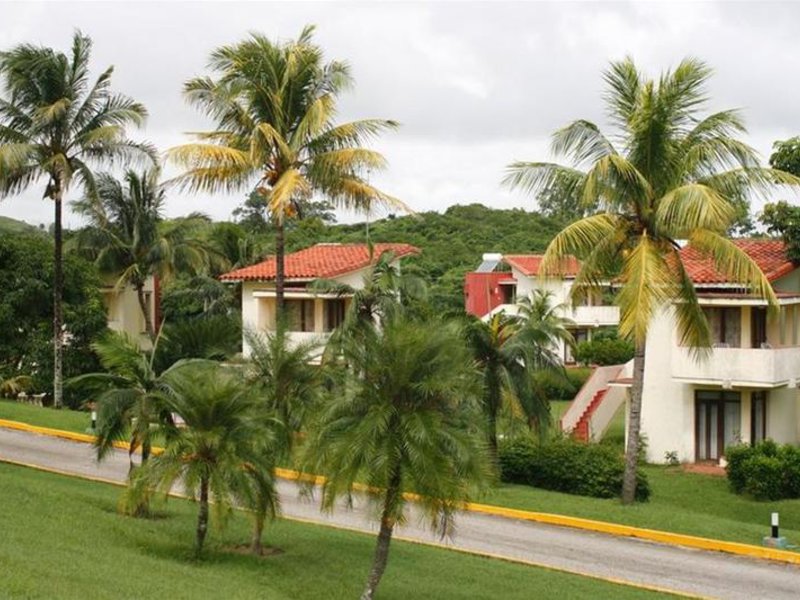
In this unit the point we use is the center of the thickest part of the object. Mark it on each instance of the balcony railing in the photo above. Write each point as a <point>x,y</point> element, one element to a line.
<point>593,316</point>
<point>739,366</point>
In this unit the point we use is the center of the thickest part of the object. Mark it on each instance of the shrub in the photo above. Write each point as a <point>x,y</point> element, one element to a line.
<point>556,387</point>
<point>565,465</point>
<point>605,349</point>
<point>765,471</point>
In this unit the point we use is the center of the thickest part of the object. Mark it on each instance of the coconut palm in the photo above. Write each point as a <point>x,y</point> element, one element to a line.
<point>667,174</point>
<point>275,105</point>
<point>412,424</point>
<point>220,452</point>
<point>57,125</point>
<point>128,237</point>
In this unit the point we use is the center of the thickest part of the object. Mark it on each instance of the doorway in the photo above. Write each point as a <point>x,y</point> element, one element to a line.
<point>718,423</point>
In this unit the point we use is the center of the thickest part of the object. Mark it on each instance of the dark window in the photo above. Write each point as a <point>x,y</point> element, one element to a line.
<point>717,422</point>
<point>758,417</point>
<point>758,326</point>
<point>300,315</point>
<point>334,313</point>
<point>726,326</point>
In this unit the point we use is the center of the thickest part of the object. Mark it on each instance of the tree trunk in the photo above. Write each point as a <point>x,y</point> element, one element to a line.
<point>258,530</point>
<point>148,322</point>
<point>202,517</point>
<point>384,536</point>
<point>280,270</point>
<point>493,440</point>
<point>634,424</point>
<point>58,293</point>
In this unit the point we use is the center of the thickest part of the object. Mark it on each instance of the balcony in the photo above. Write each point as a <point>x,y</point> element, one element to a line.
<point>594,316</point>
<point>749,367</point>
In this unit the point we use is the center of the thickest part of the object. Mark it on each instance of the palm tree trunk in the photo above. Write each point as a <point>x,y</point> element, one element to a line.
<point>258,530</point>
<point>493,453</point>
<point>634,424</point>
<point>58,293</point>
<point>202,517</point>
<point>280,269</point>
<point>148,322</point>
<point>384,535</point>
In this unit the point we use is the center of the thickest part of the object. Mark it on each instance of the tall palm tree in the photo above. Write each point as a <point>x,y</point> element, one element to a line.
<point>275,106</point>
<point>129,238</point>
<point>218,453</point>
<point>412,424</point>
<point>667,174</point>
<point>55,124</point>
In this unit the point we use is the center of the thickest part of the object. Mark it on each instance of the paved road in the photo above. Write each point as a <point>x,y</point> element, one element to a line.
<point>698,572</point>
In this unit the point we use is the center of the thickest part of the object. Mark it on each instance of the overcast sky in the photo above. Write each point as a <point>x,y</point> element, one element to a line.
<point>474,85</point>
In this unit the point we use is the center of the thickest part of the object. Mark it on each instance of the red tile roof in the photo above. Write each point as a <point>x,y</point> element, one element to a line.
<point>769,255</point>
<point>319,261</point>
<point>529,264</point>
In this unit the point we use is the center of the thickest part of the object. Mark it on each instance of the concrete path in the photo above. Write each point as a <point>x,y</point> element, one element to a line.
<point>694,572</point>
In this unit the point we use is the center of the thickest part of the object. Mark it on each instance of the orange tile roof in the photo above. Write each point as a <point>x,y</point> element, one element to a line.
<point>319,261</point>
<point>769,255</point>
<point>529,264</point>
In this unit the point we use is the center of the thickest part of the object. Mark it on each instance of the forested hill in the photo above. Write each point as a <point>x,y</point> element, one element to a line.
<point>452,242</point>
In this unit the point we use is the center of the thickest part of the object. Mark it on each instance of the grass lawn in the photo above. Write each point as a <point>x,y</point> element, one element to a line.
<point>61,538</point>
<point>69,420</point>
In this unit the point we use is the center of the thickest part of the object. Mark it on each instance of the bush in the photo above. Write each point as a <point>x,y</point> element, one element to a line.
<point>566,387</point>
<point>565,465</point>
<point>765,471</point>
<point>604,349</point>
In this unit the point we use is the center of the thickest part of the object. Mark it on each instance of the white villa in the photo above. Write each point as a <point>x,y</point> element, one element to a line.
<point>123,311</point>
<point>312,315</point>
<point>745,391</point>
<point>501,280</point>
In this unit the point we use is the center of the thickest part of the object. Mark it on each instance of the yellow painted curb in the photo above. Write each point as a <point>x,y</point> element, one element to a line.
<point>653,535</point>
<point>479,553</point>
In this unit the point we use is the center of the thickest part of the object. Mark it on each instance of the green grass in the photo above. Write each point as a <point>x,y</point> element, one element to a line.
<point>680,502</point>
<point>68,420</point>
<point>62,538</point>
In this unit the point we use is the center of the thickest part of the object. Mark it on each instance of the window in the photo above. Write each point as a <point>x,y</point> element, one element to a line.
<point>717,423</point>
<point>300,315</point>
<point>334,313</point>
<point>758,417</point>
<point>726,326</point>
<point>758,326</point>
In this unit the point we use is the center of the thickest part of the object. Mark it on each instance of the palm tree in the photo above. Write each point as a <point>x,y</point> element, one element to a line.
<point>130,395</point>
<point>55,125</point>
<point>667,174</point>
<point>412,424</point>
<point>288,384</point>
<point>220,451</point>
<point>129,239</point>
<point>275,105</point>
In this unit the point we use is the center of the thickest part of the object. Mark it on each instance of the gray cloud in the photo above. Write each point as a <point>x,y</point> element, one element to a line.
<point>475,85</point>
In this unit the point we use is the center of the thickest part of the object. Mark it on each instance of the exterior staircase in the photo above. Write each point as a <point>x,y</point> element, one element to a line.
<point>595,405</point>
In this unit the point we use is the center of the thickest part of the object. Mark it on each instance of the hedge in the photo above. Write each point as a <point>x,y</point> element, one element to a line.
<point>557,387</point>
<point>766,471</point>
<point>566,465</point>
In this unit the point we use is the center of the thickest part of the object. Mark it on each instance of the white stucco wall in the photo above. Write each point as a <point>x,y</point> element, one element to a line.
<point>123,311</point>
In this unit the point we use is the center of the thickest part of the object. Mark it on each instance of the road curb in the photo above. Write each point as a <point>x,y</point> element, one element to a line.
<point>653,535</point>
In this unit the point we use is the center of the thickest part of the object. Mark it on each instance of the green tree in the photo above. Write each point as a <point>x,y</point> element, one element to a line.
<point>786,156</point>
<point>220,451</point>
<point>55,125</point>
<point>275,105</point>
<point>411,424</point>
<point>560,201</point>
<point>129,238</point>
<point>670,177</point>
<point>252,216</point>
<point>26,310</point>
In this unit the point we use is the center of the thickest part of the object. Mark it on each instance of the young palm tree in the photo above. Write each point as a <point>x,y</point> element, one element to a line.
<point>412,424</point>
<point>219,452</point>
<point>667,174</point>
<point>275,106</point>
<point>129,239</point>
<point>130,395</point>
<point>55,124</point>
